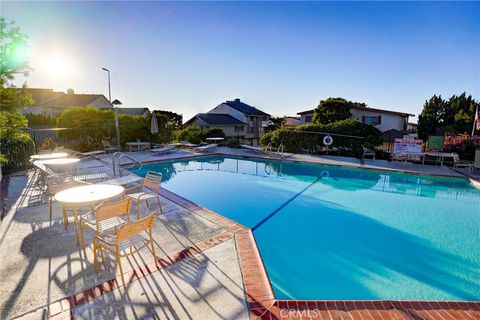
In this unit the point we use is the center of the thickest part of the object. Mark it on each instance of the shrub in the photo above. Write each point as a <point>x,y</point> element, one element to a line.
<point>463,144</point>
<point>300,138</point>
<point>89,126</point>
<point>194,134</point>
<point>233,143</point>
<point>40,120</point>
<point>48,144</point>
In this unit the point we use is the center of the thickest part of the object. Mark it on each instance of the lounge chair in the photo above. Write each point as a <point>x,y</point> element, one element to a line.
<point>162,150</point>
<point>256,149</point>
<point>107,147</point>
<point>476,164</point>
<point>368,152</point>
<point>129,235</point>
<point>206,148</point>
<point>81,154</point>
<point>188,144</point>
<point>457,163</point>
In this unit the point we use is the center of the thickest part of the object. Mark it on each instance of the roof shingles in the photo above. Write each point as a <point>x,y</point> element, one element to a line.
<point>245,108</point>
<point>219,119</point>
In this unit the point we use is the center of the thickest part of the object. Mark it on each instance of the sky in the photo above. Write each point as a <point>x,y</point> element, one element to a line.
<point>282,57</point>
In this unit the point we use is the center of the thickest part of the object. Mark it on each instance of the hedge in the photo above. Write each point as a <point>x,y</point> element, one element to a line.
<point>87,127</point>
<point>296,139</point>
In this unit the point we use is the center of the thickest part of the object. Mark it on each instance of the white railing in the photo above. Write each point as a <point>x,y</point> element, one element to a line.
<point>116,161</point>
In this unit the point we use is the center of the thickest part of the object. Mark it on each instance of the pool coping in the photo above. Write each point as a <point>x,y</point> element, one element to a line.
<point>259,295</point>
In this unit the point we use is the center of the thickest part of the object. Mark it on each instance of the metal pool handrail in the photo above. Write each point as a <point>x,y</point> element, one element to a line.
<point>120,155</point>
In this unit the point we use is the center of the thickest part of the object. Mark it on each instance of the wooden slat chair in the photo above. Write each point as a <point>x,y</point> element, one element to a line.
<point>150,188</point>
<point>56,183</point>
<point>105,218</point>
<point>129,236</point>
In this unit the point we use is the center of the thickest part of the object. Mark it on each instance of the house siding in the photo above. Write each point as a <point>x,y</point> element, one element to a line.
<point>388,120</point>
<point>229,130</point>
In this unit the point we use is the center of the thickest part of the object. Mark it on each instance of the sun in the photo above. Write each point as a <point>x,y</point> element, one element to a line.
<point>57,65</point>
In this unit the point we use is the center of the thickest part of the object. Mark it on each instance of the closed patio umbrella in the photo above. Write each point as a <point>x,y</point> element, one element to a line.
<point>154,125</point>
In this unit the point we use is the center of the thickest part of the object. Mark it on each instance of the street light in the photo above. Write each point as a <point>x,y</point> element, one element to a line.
<point>116,102</point>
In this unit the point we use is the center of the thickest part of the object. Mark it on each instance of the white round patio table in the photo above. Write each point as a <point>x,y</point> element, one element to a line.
<point>87,195</point>
<point>47,156</point>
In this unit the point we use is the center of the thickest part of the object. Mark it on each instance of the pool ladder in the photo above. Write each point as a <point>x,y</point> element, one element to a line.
<point>116,162</point>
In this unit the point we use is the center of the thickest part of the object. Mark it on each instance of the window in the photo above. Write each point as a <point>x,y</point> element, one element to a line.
<point>373,120</point>
<point>250,129</point>
<point>308,119</point>
<point>238,129</point>
<point>265,119</point>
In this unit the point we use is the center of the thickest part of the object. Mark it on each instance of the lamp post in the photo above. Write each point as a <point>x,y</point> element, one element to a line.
<point>116,102</point>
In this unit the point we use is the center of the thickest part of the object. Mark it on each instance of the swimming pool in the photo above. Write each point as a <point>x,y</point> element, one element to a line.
<point>328,232</point>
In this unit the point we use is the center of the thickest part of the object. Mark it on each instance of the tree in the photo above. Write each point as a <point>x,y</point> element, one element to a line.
<point>332,110</point>
<point>439,116</point>
<point>431,118</point>
<point>275,123</point>
<point>175,118</point>
<point>12,99</point>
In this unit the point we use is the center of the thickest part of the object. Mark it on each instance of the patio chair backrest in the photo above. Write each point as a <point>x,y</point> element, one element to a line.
<point>456,157</point>
<point>152,180</point>
<point>111,210</point>
<point>133,228</point>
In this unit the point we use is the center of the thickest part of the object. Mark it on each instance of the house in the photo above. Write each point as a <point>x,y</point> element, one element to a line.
<point>381,119</point>
<point>237,120</point>
<point>52,103</point>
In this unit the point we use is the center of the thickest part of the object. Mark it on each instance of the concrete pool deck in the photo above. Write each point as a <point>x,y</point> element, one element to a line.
<point>210,266</point>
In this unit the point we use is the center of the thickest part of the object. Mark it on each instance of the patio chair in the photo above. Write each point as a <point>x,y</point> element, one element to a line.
<point>188,144</point>
<point>162,150</point>
<point>206,148</point>
<point>149,189</point>
<point>56,183</point>
<point>105,218</point>
<point>368,152</point>
<point>252,148</point>
<point>108,147</point>
<point>129,235</point>
<point>476,164</point>
<point>457,163</point>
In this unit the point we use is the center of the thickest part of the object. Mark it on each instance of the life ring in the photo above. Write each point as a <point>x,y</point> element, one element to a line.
<point>327,140</point>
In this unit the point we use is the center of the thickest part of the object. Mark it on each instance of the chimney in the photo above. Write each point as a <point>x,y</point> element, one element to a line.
<point>237,100</point>
<point>70,91</point>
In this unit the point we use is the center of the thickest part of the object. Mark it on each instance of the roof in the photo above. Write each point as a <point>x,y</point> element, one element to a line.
<point>72,100</point>
<point>219,119</point>
<point>42,95</point>
<point>133,111</point>
<point>292,121</point>
<point>402,114</point>
<point>245,108</point>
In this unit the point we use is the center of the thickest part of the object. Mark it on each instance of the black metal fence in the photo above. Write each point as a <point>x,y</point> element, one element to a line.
<point>18,153</point>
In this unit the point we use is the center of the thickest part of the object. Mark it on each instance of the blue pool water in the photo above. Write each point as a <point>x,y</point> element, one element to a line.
<point>339,233</point>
